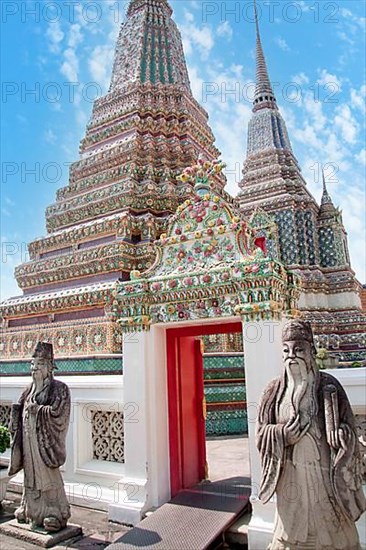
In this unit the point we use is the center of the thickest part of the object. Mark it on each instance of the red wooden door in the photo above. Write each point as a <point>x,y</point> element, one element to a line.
<point>186,412</point>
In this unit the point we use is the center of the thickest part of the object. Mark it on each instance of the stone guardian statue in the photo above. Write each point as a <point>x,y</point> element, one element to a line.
<point>39,425</point>
<point>306,437</point>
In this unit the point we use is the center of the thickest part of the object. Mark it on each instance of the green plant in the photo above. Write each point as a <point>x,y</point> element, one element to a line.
<point>356,364</point>
<point>4,439</point>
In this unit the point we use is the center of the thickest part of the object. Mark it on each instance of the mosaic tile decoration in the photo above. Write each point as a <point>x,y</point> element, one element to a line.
<point>223,393</point>
<point>227,422</point>
<point>224,361</point>
<point>222,366</point>
<point>105,365</point>
<point>226,408</point>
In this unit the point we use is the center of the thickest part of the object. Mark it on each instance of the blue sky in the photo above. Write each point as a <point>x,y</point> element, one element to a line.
<point>63,52</point>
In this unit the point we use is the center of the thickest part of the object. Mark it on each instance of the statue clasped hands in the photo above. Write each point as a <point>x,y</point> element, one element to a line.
<point>292,431</point>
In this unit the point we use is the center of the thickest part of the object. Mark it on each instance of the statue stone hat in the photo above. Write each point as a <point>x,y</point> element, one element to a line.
<point>44,350</point>
<point>297,330</point>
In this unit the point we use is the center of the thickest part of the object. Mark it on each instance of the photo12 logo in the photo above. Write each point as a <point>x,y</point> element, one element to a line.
<point>32,11</point>
<point>271,11</point>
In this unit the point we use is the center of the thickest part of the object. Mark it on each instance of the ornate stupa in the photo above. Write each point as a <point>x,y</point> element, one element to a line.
<point>309,238</point>
<point>121,192</point>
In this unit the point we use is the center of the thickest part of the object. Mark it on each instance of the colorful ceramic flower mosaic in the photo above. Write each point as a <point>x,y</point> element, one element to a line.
<point>203,271</point>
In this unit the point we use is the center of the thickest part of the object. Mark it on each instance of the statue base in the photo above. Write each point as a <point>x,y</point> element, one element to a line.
<point>40,537</point>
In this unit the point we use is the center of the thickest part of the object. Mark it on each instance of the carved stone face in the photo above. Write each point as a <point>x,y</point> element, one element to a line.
<point>40,368</point>
<point>296,354</point>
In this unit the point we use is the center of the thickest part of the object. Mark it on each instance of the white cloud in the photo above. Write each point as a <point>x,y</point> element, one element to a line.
<point>237,70</point>
<point>50,136</point>
<point>358,98</point>
<point>70,67</point>
<point>55,36</point>
<point>229,114</point>
<point>281,43</point>
<point>75,36</point>
<point>347,124</point>
<point>345,37</point>
<point>353,206</point>
<point>13,253</point>
<point>300,79</point>
<point>197,83</point>
<point>303,5</point>
<point>315,110</point>
<point>354,21</point>
<point>188,16</point>
<point>100,65</point>
<point>197,38</point>
<point>225,30</point>
<point>326,79</point>
<point>361,157</point>
<point>8,285</point>
<point>307,136</point>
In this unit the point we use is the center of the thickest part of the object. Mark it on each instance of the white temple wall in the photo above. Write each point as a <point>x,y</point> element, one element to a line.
<point>89,482</point>
<point>263,362</point>
<point>146,480</point>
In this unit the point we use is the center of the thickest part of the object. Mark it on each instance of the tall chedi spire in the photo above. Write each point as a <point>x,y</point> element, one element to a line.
<point>272,178</point>
<point>309,238</point>
<point>326,201</point>
<point>333,245</point>
<point>120,193</point>
<point>264,96</point>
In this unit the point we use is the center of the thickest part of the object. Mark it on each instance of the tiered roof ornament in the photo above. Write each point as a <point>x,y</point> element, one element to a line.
<point>207,266</point>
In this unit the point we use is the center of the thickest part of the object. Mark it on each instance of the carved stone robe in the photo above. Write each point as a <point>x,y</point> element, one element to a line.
<point>319,490</point>
<point>38,447</point>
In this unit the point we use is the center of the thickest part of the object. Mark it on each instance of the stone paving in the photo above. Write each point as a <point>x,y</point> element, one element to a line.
<point>227,458</point>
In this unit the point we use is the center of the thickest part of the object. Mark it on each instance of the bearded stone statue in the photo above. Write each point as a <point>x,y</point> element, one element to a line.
<point>39,424</point>
<point>306,437</point>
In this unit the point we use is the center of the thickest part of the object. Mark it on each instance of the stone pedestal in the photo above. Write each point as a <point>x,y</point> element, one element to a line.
<point>40,537</point>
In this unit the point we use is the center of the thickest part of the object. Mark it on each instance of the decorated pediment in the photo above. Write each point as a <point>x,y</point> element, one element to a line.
<point>264,233</point>
<point>207,266</point>
<point>205,233</point>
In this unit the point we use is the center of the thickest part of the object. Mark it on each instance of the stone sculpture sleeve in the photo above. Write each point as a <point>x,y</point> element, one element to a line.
<point>347,463</point>
<point>270,442</point>
<point>52,425</point>
<point>16,456</point>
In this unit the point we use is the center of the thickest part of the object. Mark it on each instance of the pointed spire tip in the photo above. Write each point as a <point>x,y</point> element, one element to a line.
<point>324,182</point>
<point>264,96</point>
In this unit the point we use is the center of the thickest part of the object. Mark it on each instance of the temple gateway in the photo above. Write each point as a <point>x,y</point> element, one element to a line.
<point>154,284</point>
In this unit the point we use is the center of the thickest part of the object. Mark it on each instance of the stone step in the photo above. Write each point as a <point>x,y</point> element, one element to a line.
<point>238,532</point>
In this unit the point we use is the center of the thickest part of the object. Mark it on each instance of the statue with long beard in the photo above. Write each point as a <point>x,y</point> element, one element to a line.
<point>307,440</point>
<point>39,424</point>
